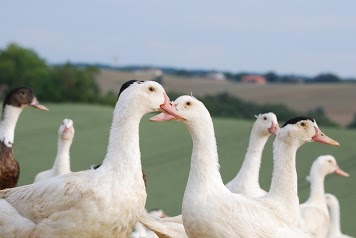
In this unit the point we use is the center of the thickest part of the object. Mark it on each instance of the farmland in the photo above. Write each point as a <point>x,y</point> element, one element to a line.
<point>166,150</point>
<point>338,100</point>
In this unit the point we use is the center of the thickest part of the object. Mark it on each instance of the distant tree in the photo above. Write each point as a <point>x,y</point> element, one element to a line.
<point>183,73</point>
<point>272,77</point>
<point>22,67</point>
<point>352,125</point>
<point>70,83</point>
<point>110,98</point>
<point>325,78</point>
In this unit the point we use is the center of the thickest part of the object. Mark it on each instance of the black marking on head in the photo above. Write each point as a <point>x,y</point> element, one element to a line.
<point>18,97</point>
<point>95,166</point>
<point>127,84</point>
<point>296,120</point>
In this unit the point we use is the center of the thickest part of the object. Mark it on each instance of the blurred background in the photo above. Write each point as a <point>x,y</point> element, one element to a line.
<point>240,58</point>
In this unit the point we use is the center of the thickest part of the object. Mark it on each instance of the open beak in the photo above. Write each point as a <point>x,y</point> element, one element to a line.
<point>340,172</point>
<point>322,138</point>
<point>36,104</point>
<point>274,128</point>
<point>169,112</point>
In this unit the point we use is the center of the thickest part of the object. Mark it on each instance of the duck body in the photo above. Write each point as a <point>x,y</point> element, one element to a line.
<point>69,211</point>
<point>206,216</point>
<point>9,167</point>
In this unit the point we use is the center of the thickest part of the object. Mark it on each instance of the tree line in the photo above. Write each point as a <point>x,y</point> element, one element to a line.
<point>72,83</point>
<point>23,67</point>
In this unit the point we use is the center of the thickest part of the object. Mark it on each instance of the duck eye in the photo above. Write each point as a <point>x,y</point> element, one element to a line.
<point>188,103</point>
<point>152,89</point>
<point>302,124</point>
<point>264,118</point>
<point>330,161</point>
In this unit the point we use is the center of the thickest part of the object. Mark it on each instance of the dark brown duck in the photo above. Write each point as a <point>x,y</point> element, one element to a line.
<point>15,101</point>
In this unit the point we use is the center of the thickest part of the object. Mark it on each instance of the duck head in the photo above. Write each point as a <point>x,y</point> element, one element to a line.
<point>147,96</point>
<point>327,164</point>
<point>22,97</point>
<point>301,130</point>
<point>187,109</point>
<point>66,129</point>
<point>266,124</point>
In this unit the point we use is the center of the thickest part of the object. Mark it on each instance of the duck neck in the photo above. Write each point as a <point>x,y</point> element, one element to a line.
<point>10,115</point>
<point>204,168</point>
<point>62,162</point>
<point>317,191</point>
<point>122,159</point>
<point>334,228</point>
<point>250,169</point>
<point>284,180</point>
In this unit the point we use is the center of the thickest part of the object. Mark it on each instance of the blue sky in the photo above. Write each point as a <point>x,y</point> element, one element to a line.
<point>300,37</point>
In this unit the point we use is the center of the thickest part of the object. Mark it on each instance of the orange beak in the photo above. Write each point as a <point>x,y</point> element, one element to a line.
<point>36,104</point>
<point>340,172</point>
<point>322,138</point>
<point>274,128</point>
<point>169,111</point>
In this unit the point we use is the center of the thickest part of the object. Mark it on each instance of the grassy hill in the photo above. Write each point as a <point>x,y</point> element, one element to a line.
<point>337,99</point>
<point>166,149</point>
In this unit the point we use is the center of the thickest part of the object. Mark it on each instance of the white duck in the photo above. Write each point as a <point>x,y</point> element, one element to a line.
<point>246,181</point>
<point>314,212</point>
<point>283,193</point>
<point>209,209</point>
<point>106,202</point>
<point>334,212</point>
<point>62,162</point>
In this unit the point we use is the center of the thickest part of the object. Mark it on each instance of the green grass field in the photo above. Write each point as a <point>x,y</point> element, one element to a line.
<point>166,149</point>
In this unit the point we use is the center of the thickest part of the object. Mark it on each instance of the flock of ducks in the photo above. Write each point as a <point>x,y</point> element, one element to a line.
<point>109,200</point>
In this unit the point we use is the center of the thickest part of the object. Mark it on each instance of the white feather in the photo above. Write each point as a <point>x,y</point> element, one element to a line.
<point>334,211</point>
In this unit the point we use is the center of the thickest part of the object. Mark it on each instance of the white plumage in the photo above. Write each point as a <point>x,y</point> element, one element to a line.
<point>62,162</point>
<point>156,224</point>
<point>246,181</point>
<point>106,202</point>
<point>334,212</point>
